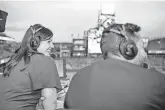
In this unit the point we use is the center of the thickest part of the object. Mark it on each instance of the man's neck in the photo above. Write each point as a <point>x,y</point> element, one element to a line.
<point>119,57</point>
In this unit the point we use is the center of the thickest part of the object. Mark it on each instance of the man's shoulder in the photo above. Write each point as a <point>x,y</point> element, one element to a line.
<point>93,68</point>
<point>112,65</point>
<point>157,72</point>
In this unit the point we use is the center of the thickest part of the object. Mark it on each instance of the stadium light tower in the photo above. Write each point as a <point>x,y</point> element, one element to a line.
<point>106,13</point>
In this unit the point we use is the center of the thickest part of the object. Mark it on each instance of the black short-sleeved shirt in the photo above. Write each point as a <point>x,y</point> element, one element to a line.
<point>22,89</point>
<point>116,85</point>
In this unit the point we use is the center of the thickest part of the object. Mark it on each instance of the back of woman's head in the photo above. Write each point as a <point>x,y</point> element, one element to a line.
<point>34,35</point>
<point>31,41</point>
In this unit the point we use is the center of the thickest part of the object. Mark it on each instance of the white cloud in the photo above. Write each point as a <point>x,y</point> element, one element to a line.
<point>65,17</point>
<point>80,5</point>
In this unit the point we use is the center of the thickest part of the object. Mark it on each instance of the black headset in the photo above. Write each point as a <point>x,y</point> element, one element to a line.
<point>35,40</point>
<point>127,47</point>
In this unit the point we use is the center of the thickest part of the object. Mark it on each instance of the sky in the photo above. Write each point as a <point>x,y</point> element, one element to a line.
<point>67,17</point>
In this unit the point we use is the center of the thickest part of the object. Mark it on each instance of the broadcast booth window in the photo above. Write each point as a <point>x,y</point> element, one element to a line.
<point>2,42</point>
<point>3,17</point>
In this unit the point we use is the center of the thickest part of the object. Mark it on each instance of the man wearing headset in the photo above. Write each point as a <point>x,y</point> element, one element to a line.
<point>118,82</point>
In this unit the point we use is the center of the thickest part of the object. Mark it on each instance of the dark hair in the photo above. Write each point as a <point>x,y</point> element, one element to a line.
<point>25,50</point>
<point>110,41</point>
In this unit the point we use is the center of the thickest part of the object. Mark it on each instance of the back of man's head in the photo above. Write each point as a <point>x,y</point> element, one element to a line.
<point>109,44</point>
<point>111,40</point>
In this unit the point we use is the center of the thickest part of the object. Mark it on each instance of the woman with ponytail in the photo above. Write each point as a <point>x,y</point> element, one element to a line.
<point>30,73</point>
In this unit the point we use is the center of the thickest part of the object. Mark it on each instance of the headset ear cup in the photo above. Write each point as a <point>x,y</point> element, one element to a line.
<point>35,43</point>
<point>128,49</point>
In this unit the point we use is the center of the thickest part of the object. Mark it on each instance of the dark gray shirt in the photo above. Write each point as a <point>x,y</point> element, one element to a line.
<point>116,85</point>
<point>22,89</point>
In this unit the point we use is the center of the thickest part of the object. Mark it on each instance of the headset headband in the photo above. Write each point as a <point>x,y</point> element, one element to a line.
<point>34,31</point>
<point>119,32</point>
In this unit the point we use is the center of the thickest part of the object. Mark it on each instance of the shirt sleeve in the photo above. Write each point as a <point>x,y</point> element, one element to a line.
<point>45,74</point>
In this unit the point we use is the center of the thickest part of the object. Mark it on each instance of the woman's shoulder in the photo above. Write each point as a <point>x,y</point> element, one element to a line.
<point>40,59</point>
